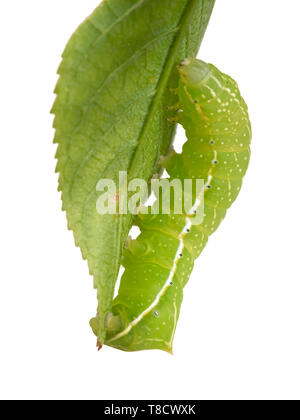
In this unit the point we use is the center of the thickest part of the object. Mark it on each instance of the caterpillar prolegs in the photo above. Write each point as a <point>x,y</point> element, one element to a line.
<point>159,262</point>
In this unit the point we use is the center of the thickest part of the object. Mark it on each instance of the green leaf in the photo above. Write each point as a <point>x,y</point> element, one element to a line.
<point>111,115</point>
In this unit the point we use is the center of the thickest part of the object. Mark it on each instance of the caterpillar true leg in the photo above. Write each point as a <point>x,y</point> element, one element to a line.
<point>159,262</point>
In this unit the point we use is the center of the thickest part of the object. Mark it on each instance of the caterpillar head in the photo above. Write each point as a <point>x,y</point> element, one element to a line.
<point>193,71</point>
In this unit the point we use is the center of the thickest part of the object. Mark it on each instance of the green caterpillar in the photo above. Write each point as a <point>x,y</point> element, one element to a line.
<point>159,262</point>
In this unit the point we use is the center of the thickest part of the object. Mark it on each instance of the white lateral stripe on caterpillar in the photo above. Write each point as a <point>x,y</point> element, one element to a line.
<point>211,91</point>
<point>217,81</point>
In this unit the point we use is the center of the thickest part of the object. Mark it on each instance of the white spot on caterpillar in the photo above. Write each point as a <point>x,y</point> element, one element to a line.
<point>229,189</point>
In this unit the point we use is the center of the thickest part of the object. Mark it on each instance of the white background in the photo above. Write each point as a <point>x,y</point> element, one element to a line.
<point>238,334</point>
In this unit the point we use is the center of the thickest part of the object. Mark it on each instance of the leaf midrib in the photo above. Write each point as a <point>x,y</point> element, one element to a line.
<point>166,72</point>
